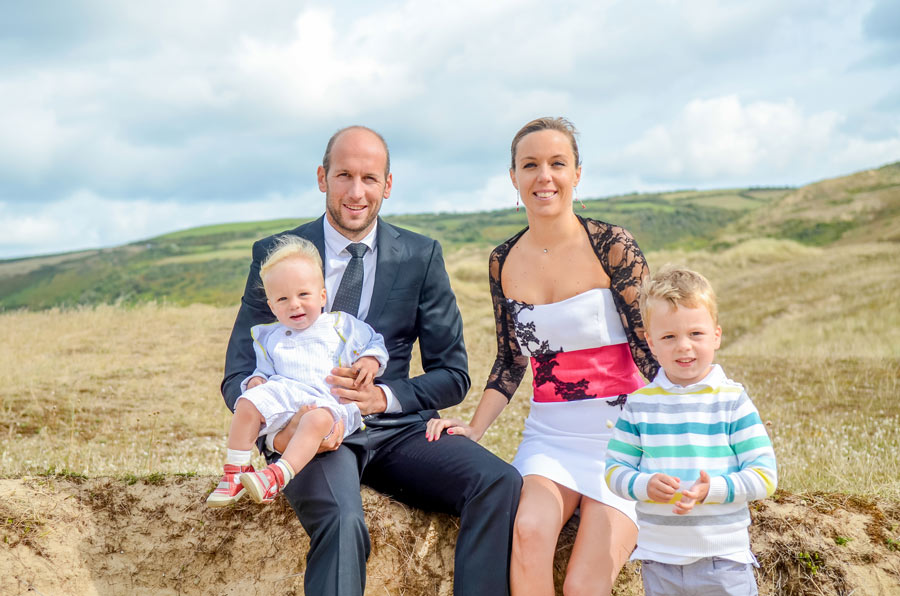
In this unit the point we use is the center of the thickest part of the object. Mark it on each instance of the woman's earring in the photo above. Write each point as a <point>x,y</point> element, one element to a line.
<point>575,190</point>
<point>517,201</point>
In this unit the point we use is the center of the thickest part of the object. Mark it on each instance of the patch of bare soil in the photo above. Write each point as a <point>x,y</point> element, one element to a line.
<point>104,536</point>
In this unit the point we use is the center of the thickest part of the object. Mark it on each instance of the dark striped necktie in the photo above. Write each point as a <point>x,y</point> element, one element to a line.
<point>347,296</point>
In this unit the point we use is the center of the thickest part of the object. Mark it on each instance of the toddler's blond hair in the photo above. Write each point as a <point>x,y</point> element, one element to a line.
<point>290,246</point>
<point>679,287</point>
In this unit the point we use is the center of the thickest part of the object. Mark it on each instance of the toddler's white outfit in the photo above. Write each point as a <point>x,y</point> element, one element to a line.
<point>295,364</point>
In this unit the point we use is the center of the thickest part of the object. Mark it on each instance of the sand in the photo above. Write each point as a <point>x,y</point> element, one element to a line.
<point>64,535</point>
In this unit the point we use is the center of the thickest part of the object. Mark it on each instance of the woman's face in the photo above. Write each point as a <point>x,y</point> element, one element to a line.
<point>545,173</point>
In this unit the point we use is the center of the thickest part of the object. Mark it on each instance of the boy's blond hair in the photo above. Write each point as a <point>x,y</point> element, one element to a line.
<point>290,246</point>
<point>679,287</point>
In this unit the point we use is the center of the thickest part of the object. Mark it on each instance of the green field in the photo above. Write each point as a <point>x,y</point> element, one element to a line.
<point>132,338</point>
<point>209,264</point>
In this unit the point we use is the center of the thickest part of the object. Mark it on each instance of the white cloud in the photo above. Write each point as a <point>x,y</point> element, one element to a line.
<point>723,137</point>
<point>86,220</point>
<point>206,110</point>
<point>496,193</point>
<point>321,72</point>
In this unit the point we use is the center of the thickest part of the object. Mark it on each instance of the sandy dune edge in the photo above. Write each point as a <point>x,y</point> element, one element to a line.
<point>107,536</point>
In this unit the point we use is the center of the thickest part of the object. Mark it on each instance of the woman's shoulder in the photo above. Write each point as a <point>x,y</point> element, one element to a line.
<point>597,228</point>
<point>500,252</point>
<point>498,258</point>
<point>504,246</point>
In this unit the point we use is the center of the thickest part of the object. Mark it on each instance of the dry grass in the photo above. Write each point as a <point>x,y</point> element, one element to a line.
<point>812,333</point>
<point>112,391</point>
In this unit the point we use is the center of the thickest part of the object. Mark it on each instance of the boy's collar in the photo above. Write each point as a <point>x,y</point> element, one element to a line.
<point>714,378</point>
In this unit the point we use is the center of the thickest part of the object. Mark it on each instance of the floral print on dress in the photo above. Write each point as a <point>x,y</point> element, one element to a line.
<point>623,262</point>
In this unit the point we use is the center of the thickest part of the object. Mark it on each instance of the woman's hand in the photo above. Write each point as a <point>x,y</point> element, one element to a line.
<point>453,426</point>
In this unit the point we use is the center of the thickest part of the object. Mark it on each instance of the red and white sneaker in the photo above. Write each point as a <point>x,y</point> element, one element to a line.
<point>264,486</point>
<point>229,490</point>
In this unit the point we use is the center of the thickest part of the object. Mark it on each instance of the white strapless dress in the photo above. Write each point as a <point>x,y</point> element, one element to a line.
<point>583,370</point>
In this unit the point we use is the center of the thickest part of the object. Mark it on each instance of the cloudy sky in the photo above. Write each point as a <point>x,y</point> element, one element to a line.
<point>123,120</point>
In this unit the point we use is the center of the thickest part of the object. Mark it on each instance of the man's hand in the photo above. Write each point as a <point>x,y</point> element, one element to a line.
<point>329,443</point>
<point>365,369</point>
<point>254,381</point>
<point>696,494</point>
<point>662,487</point>
<point>370,399</point>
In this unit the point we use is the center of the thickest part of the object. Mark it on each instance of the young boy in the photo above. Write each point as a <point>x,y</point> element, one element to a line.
<point>293,357</point>
<point>691,449</point>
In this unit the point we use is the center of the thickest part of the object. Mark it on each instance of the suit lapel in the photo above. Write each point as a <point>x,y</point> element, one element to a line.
<point>390,257</point>
<point>314,231</point>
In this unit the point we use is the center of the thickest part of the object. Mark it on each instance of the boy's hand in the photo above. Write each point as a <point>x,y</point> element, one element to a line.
<point>662,487</point>
<point>255,381</point>
<point>365,368</point>
<point>692,496</point>
<point>370,399</point>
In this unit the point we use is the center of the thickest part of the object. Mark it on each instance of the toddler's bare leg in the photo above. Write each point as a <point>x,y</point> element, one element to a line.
<point>313,426</point>
<point>245,426</point>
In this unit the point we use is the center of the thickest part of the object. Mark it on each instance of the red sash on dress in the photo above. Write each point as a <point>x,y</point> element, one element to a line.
<point>607,371</point>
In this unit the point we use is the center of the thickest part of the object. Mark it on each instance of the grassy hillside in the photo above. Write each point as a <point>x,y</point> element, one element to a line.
<point>209,264</point>
<point>118,391</point>
<point>861,207</point>
<point>114,431</point>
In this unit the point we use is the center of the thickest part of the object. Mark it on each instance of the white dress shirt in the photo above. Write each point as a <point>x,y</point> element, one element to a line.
<point>336,260</point>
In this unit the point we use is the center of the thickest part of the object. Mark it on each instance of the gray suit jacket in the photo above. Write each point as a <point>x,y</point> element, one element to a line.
<point>411,300</point>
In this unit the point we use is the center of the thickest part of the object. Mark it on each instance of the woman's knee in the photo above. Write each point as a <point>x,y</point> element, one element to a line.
<point>534,529</point>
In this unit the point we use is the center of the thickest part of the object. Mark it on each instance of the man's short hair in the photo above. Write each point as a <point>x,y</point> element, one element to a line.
<point>326,159</point>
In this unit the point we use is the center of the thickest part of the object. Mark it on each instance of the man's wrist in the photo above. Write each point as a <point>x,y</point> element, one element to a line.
<point>391,404</point>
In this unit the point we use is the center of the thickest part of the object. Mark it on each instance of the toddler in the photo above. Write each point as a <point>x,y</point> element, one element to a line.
<point>293,357</point>
<point>691,449</point>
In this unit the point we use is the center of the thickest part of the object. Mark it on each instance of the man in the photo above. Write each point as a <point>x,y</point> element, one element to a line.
<point>405,295</point>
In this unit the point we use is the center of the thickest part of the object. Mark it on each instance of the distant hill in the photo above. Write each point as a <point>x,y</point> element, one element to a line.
<point>209,264</point>
<point>860,207</point>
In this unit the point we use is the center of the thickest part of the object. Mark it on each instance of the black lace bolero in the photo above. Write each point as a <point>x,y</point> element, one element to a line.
<point>623,262</point>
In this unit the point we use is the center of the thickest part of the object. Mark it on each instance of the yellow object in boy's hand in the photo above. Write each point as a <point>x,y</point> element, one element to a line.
<point>692,496</point>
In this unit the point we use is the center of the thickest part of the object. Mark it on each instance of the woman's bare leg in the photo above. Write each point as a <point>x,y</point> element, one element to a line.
<point>544,508</point>
<point>605,539</point>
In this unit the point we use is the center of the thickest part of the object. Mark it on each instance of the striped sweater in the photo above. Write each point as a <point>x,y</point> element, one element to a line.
<point>675,430</point>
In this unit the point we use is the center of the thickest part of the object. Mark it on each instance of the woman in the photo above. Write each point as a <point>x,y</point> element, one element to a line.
<point>565,293</point>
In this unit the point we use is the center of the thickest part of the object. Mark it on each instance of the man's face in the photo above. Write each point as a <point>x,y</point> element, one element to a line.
<point>355,184</point>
